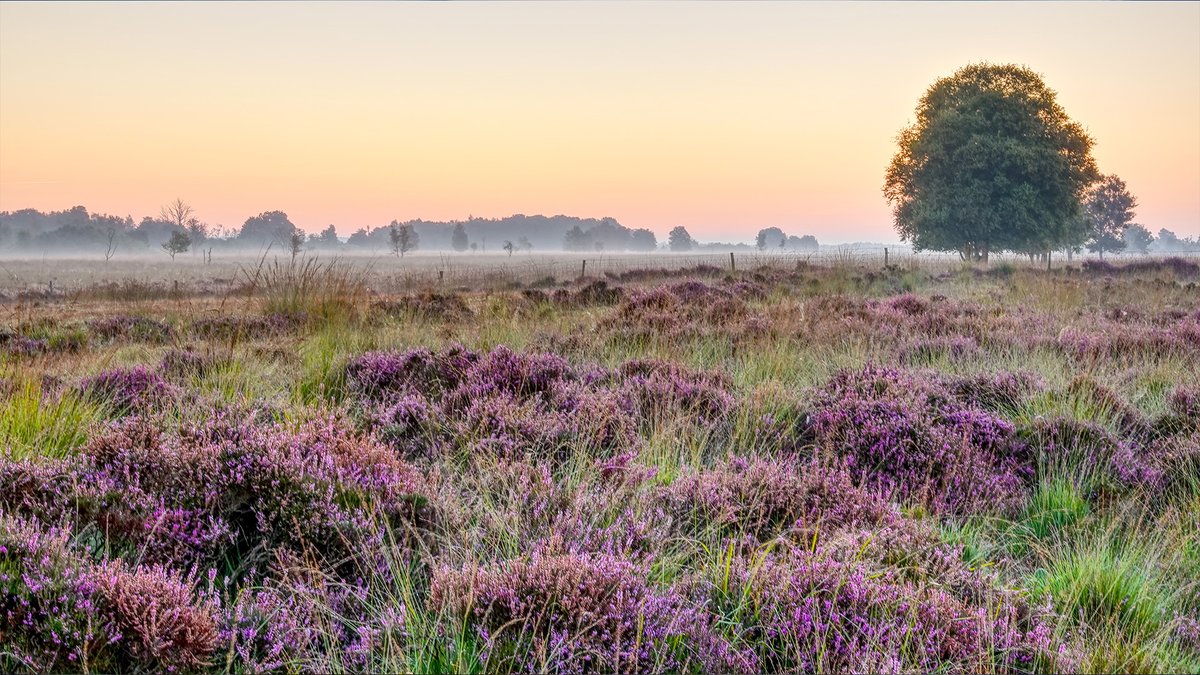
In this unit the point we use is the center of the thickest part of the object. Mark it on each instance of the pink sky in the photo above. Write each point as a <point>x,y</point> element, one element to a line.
<point>722,117</point>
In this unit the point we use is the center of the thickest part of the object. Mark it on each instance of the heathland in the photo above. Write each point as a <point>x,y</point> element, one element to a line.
<point>833,465</point>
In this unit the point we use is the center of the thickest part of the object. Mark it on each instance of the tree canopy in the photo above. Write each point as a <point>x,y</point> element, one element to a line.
<point>679,239</point>
<point>1108,210</point>
<point>992,163</point>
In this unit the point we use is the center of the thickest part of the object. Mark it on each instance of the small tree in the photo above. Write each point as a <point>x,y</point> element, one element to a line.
<point>111,249</point>
<point>178,243</point>
<point>1108,207</point>
<point>395,237</point>
<point>403,238</point>
<point>296,243</point>
<point>1138,238</point>
<point>508,246</point>
<point>458,238</point>
<point>680,240</point>
<point>524,244</point>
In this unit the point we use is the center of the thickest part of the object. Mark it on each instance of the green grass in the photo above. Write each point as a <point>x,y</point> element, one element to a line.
<point>33,424</point>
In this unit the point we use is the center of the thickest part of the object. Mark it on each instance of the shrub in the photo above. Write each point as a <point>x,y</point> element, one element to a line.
<point>1091,457</point>
<point>766,498</point>
<point>579,613</point>
<point>48,612</point>
<point>161,623</point>
<point>906,436</point>
<point>227,491</point>
<point>123,327</point>
<point>126,391</point>
<point>802,610</point>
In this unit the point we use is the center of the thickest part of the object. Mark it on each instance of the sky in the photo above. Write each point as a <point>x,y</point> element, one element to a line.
<point>721,117</point>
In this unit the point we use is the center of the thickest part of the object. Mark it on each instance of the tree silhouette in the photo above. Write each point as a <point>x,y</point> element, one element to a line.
<point>992,163</point>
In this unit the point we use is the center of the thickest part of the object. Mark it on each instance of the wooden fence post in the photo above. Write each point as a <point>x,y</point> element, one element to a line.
<point>732,265</point>
<point>583,269</point>
<point>885,257</point>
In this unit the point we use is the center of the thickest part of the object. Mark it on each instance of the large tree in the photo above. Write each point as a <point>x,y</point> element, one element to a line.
<point>1108,210</point>
<point>992,163</point>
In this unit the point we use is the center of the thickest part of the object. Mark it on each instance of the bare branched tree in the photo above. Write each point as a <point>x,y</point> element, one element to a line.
<point>179,213</point>
<point>111,250</point>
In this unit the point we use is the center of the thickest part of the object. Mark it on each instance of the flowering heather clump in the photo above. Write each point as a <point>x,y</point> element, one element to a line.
<point>579,614</point>
<point>655,274</point>
<point>429,306</point>
<point>1185,403</point>
<point>246,327</point>
<point>766,498</point>
<point>1118,340</point>
<point>1109,465</point>
<point>226,488</point>
<point>124,327</point>
<point>1181,267</point>
<point>908,303</point>
<point>657,386</point>
<point>161,623</point>
<point>406,424</point>
<point>20,345</point>
<point>300,617</point>
<point>133,390</point>
<point>595,293</point>
<point>748,290</point>
<point>381,376</point>
<point>686,310</point>
<point>804,611</point>
<point>907,321</point>
<point>510,403</point>
<point>49,619</point>
<point>907,436</point>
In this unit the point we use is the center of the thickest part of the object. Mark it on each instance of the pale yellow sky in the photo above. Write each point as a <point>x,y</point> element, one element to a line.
<point>723,117</point>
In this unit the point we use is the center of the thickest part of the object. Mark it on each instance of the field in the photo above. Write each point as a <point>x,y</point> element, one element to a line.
<point>668,465</point>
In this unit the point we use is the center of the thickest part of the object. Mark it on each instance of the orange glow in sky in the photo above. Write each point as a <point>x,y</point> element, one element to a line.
<point>723,117</point>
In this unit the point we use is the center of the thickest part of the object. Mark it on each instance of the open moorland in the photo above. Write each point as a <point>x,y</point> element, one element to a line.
<point>814,466</point>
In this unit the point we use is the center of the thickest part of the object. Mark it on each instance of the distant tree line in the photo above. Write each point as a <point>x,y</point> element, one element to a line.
<point>525,233</point>
<point>176,230</point>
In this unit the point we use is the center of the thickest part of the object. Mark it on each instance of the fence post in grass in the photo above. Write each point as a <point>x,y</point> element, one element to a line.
<point>441,276</point>
<point>885,257</point>
<point>732,265</point>
<point>1048,254</point>
<point>583,269</point>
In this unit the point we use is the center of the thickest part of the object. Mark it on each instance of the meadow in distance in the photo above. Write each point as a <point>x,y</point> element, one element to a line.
<point>791,464</point>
